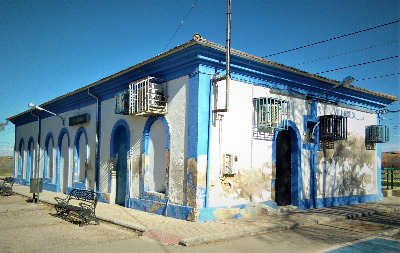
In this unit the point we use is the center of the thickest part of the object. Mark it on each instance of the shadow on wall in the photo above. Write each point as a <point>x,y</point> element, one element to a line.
<point>348,169</point>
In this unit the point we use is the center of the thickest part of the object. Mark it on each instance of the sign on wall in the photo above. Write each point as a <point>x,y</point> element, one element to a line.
<point>79,119</point>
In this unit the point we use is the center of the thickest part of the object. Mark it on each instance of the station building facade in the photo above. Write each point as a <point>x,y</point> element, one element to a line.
<point>169,136</point>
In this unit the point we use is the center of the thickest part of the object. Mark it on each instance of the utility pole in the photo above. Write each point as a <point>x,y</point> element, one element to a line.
<point>228,51</point>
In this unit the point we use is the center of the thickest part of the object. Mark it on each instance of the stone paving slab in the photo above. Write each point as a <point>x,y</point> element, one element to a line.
<point>170,230</point>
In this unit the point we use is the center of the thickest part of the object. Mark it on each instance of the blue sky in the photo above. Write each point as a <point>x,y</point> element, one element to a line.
<point>48,48</point>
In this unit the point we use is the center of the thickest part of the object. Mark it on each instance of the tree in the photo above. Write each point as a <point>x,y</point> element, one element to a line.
<point>3,125</point>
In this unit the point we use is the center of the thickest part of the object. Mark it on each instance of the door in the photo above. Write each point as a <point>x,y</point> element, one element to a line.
<point>121,165</point>
<point>283,169</point>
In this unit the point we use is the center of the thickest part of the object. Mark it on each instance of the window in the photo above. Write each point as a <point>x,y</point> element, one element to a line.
<point>376,134</point>
<point>147,97</point>
<point>333,127</point>
<point>122,102</point>
<point>270,113</point>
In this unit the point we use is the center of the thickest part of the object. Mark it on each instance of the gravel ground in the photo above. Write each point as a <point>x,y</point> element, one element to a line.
<point>29,227</point>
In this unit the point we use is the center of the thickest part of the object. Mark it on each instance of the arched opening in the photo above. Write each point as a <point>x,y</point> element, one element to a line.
<point>283,182</point>
<point>120,151</point>
<point>20,158</point>
<point>30,160</point>
<point>63,160</point>
<point>80,156</point>
<point>48,157</point>
<point>157,173</point>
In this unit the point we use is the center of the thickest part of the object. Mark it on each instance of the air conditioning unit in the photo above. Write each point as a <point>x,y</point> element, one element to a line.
<point>376,134</point>
<point>122,102</point>
<point>147,97</point>
<point>270,113</point>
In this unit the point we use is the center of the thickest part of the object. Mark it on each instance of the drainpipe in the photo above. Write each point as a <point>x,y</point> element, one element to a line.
<point>96,156</point>
<point>38,144</point>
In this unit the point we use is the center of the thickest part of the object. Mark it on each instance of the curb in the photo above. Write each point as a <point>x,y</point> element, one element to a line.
<point>133,227</point>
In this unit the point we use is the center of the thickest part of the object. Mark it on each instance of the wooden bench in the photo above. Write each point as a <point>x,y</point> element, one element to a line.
<point>6,185</point>
<point>80,202</point>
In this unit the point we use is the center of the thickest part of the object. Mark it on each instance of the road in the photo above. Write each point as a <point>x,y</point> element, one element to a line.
<point>29,227</point>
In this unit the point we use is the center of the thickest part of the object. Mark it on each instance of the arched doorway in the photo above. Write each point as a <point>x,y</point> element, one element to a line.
<point>283,180</point>
<point>120,151</point>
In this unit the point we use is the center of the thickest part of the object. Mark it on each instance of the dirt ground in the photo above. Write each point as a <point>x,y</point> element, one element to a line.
<point>30,227</point>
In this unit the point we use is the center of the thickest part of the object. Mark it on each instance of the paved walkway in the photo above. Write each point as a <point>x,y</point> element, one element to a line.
<point>172,231</point>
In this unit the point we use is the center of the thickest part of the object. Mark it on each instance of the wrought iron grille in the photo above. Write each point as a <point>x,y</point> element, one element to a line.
<point>333,127</point>
<point>376,134</point>
<point>147,97</point>
<point>270,113</point>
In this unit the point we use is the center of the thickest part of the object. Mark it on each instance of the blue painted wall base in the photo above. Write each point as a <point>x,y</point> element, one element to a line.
<point>339,201</point>
<point>174,211</point>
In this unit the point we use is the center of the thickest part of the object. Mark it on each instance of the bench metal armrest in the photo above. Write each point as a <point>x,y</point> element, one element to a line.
<point>61,200</point>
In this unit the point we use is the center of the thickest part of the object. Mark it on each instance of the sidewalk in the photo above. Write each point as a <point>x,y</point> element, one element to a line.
<point>172,231</point>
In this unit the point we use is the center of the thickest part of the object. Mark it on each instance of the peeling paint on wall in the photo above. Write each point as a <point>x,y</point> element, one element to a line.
<point>135,170</point>
<point>167,157</point>
<point>191,182</point>
<point>156,205</point>
<point>249,185</point>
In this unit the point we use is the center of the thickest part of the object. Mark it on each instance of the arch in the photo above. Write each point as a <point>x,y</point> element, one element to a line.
<point>20,158</point>
<point>120,145</point>
<point>80,159</point>
<point>48,162</point>
<point>145,150</point>
<point>146,132</point>
<point>30,158</point>
<point>117,125</point>
<point>295,141</point>
<point>62,176</point>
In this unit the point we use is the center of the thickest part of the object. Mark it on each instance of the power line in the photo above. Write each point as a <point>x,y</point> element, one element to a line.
<point>374,77</point>
<point>359,64</point>
<point>350,52</point>
<point>179,27</point>
<point>334,38</point>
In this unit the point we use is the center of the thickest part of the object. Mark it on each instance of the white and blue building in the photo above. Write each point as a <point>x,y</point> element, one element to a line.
<point>168,136</point>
